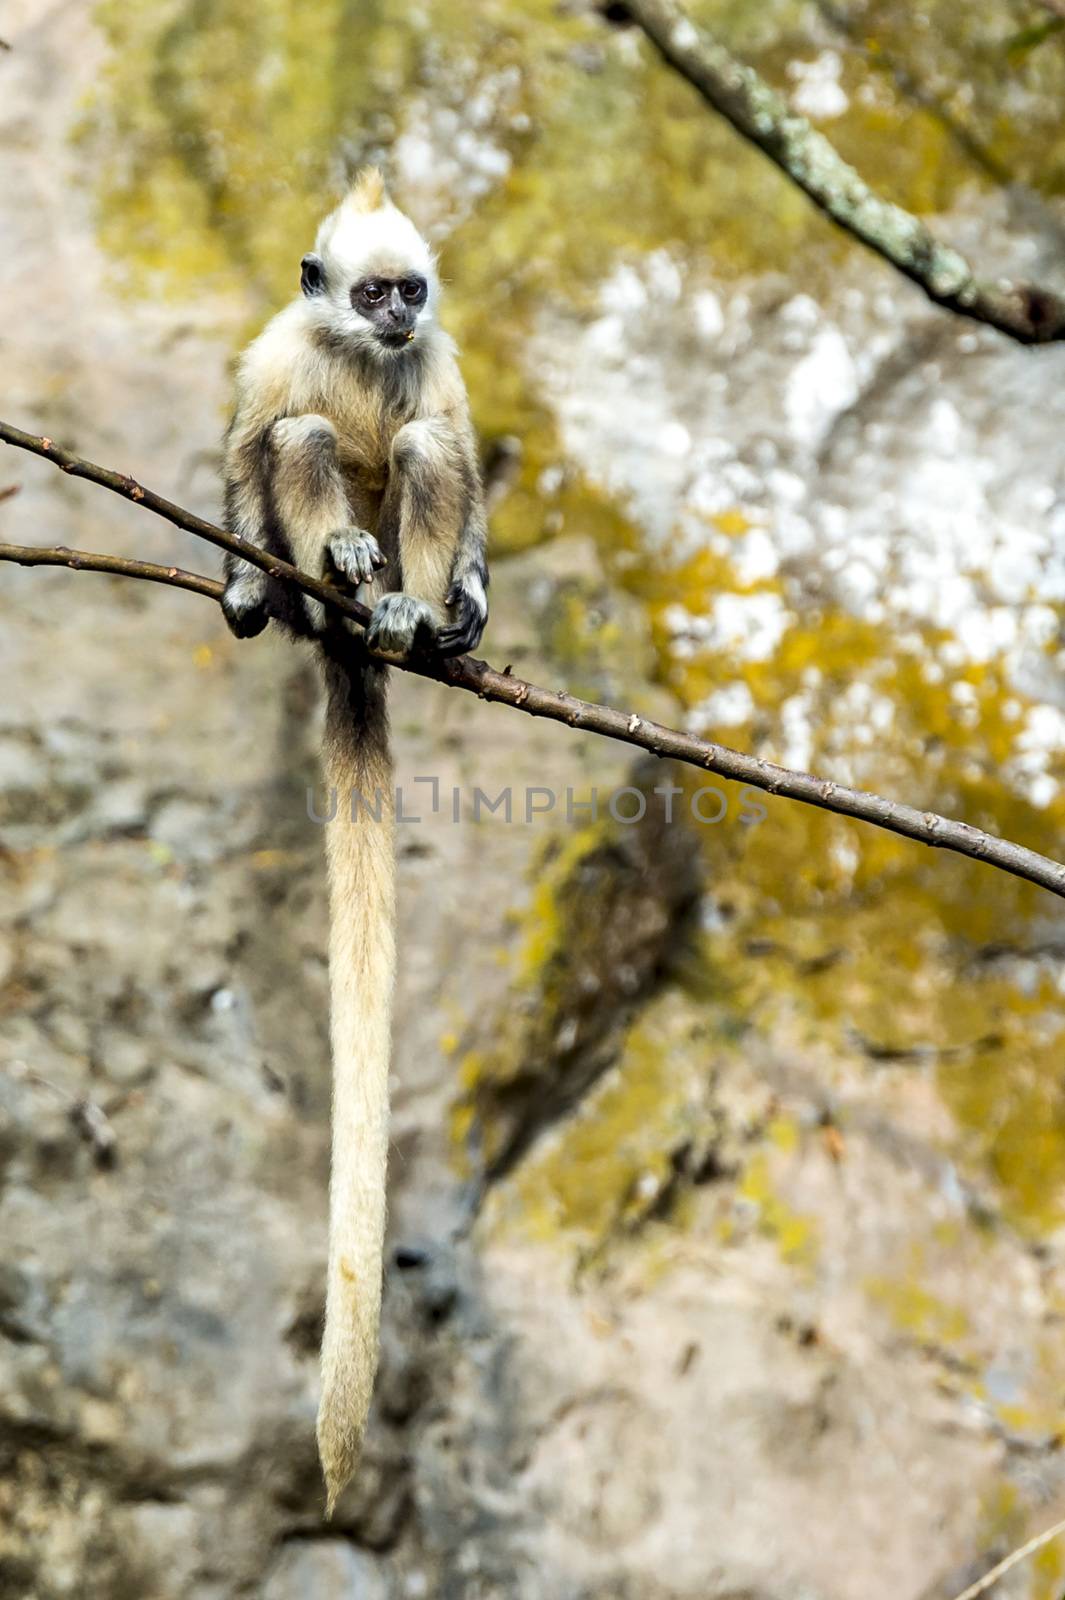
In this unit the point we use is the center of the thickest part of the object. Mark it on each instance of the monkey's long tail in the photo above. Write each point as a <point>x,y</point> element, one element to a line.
<point>361,861</point>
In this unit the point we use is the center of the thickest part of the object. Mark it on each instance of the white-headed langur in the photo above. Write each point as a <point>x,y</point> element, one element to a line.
<point>351,452</point>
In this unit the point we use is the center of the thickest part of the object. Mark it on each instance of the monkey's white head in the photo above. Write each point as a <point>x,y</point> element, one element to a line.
<point>371,279</point>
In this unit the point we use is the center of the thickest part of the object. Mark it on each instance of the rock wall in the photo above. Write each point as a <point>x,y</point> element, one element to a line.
<point>726,1192</point>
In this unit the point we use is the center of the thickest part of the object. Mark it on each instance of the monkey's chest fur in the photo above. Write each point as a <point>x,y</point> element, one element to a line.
<point>365,482</point>
<point>365,432</point>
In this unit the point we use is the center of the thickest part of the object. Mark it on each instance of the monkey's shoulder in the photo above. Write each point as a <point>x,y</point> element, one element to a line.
<point>443,391</point>
<point>275,367</point>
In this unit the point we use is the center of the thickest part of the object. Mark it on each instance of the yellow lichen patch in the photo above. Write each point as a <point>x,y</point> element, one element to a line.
<point>545,922</point>
<point>609,1165</point>
<point>1006,1523</point>
<point>1028,1407</point>
<point>851,938</point>
<point>783,1132</point>
<point>1048,1569</point>
<point>918,1313</point>
<point>1001,1517</point>
<point>215,129</point>
<point>1017,1384</point>
<point>964,60</point>
<point>794,1234</point>
<point>610,909</point>
<point>546,935</point>
<point>271,859</point>
<point>732,522</point>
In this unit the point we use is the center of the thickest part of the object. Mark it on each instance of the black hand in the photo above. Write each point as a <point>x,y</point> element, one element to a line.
<point>245,621</point>
<point>464,633</point>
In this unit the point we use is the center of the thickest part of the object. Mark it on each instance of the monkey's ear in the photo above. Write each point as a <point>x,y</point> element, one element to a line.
<point>312,274</point>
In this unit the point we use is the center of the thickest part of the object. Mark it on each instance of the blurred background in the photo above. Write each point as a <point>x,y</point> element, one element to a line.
<point>726,1243</point>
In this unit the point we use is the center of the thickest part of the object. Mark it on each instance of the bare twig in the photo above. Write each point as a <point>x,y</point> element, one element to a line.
<point>983,1584</point>
<point>1026,312</point>
<point>477,677</point>
<point>121,483</point>
<point>29,555</point>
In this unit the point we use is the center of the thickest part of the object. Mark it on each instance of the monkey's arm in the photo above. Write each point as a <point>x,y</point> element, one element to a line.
<point>467,597</point>
<point>433,518</point>
<point>257,471</point>
<point>244,600</point>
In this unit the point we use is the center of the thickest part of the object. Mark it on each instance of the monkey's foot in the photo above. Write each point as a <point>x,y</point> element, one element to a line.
<point>244,604</point>
<point>399,623</point>
<point>355,554</point>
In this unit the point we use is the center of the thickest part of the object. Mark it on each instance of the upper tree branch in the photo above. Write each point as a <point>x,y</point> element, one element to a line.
<point>1025,311</point>
<point>478,678</point>
<point>121,483</point>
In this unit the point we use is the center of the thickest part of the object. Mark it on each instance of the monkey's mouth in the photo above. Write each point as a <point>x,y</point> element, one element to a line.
<point>398,339</point>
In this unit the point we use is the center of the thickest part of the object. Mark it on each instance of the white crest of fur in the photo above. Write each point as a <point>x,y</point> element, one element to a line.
<point>356,243</point>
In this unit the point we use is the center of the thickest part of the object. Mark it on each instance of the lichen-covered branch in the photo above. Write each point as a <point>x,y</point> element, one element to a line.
<point>477,677</point>
<point>1026,312</point>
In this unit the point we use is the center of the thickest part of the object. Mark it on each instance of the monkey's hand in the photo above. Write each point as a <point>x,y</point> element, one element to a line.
<point>399,625</point>
<point>468,605</point>
<point>355,555</point>
<point>244,602</point>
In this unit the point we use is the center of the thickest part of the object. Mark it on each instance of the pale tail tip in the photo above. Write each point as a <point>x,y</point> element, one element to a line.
<point>335,1484</point>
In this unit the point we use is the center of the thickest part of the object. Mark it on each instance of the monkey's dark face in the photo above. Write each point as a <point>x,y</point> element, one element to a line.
<point>380,303</point>
<point>391,306</point>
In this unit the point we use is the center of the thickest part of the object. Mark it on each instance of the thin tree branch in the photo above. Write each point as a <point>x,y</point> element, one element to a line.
<point>30,555</point>
<point>1026,312</point>
<point>983,1584</point>
<point>477,677</point>
<point>121,483</point>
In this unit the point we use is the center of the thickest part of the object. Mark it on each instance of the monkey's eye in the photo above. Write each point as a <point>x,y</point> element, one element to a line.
<point>373,292</point>
<point>413,290</point>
